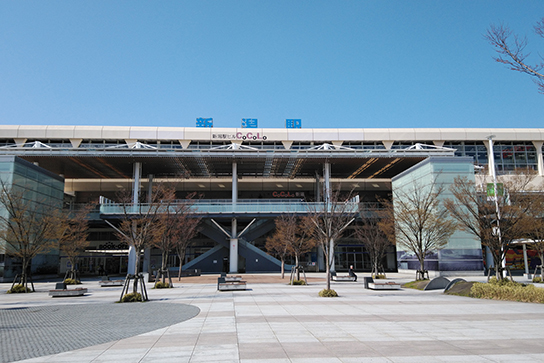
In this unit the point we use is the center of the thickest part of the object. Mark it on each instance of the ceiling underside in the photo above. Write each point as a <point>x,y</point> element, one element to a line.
<point>270,165</point>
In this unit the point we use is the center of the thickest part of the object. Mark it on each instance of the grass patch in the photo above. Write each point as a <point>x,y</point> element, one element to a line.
<point>328,293</point>
<point>297,282</point>
<point>162,285</point>
<point>460,289</point>
<point>72,282</point>
<point>507,290</point>
<point>132,297</point>
<point>498,290</point>
<point>418,284</point>
<point>18,289</point>
<point>378,276</point>
<point>537,280</point>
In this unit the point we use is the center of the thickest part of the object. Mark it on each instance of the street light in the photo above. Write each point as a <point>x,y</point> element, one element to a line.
<point>496,198</point>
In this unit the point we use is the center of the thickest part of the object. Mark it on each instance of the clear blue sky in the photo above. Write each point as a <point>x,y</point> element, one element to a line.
<point>331,63</point>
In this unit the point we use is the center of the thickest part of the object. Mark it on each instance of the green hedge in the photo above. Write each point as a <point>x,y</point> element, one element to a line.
<point>507,290</point>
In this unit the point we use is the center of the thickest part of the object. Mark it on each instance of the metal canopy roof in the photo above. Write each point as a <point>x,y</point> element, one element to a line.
<point>118,163</point>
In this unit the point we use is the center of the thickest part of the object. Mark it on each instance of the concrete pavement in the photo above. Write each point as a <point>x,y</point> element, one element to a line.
<point>274,322</point>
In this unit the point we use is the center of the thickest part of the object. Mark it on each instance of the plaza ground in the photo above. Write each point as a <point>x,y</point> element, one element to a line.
<point>275,322</point>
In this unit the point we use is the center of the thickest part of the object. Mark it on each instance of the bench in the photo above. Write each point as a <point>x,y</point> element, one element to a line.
<point>61,291</point>
<point>107,282</point>
<point>338,278</point>
<point>223,285</point>
<point>372,285</point>
<point>233,278</point>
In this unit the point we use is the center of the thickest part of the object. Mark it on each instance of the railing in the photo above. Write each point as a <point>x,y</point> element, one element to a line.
<point>227,207</point>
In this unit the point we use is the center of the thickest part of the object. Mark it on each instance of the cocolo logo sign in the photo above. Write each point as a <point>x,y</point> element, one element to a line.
<point>240,136</point>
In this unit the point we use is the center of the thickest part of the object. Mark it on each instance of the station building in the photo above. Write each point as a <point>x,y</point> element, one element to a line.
<point>246,177</point>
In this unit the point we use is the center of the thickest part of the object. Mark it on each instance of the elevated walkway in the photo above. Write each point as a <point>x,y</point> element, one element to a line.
<point>225,208</point>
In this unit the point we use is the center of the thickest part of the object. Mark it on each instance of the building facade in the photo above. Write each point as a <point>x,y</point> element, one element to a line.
<point>246,177</point>
<point>39,189</point>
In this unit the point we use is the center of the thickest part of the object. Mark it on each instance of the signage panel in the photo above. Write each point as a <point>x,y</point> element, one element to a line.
<point>293,123</point>
<point>204,122</point>
<point>248,123</point>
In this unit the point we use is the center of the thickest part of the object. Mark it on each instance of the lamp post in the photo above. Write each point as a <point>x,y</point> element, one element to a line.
<point>496,198</point>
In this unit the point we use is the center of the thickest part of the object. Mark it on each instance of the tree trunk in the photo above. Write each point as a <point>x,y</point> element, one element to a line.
<point>136,271</point>
<point>282,268</point>
<point>327,269</point>
<point>24,273</point>
<point>163,266</point>
<point>181,256</point>
<point>421,266</point>
<point>296,267</point>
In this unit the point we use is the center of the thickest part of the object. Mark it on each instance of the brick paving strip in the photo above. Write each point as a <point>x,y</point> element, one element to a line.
<point>29,332</point>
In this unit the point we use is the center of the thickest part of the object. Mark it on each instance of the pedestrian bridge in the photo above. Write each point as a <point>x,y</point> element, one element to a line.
<point>226,208</point>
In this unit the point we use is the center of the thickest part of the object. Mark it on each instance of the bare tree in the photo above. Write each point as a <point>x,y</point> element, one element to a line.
<point>534,227</point>
<point>27,228</point>
<point>329,220</point>
<point>420,221</point>
<point>73,240</point>
<point>371,232</point>
<point>511,50</point>
<point>278,246</point>
<point>137,225</point>
<point>164,229</point>
<point>186,227</point>
<point>292,237</point>
<point>477,214</point>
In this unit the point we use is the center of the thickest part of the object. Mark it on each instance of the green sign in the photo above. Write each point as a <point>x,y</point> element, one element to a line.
<point>491,190</point>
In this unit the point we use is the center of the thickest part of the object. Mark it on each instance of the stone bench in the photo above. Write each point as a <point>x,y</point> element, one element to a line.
<point>105,282</point>
<point>338,278</point>
<point>372,285</point>
<point>61,291</point>
<point>223,285</point>
<point>233,278</point>
<point>383,285</point>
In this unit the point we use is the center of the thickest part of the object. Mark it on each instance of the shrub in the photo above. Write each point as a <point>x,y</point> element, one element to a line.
<point>132,297</point>
<point>297,282</point>
<point>17,289</point>
<point>328,293</point>
<point>378,276</point>
<point>537,279</point>
<point>72,282</point>
<point>162,285</point>
<point>507,290</point>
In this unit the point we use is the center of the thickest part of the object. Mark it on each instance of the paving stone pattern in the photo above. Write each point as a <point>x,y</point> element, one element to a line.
<point>29,332</point>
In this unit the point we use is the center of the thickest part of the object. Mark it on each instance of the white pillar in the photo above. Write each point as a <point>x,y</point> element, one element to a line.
<point>233,247</point>
<point>234,183</point>
<point>233,264</point>
<point>131,268</point>
<point>327,199</point>
<point>327,181</point>
<point>490,157</point>
<point>540,161</point>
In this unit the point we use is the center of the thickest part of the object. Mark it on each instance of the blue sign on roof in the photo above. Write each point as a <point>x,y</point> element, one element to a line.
<point>249,123</point>
<point>204,122</point>
<point>295,123</point>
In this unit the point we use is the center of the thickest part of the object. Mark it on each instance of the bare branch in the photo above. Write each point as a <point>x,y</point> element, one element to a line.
<point>512,52</point>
